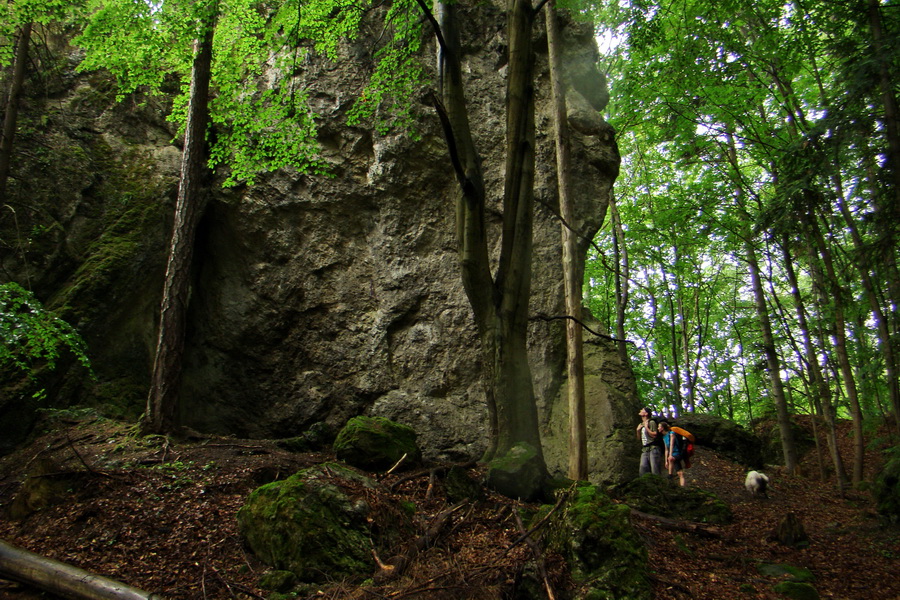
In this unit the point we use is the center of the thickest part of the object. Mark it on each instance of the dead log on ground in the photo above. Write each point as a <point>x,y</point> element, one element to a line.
<point>538,558</point>
<point>699,528</point>
<point>395,566</point>
<point>62,579</point>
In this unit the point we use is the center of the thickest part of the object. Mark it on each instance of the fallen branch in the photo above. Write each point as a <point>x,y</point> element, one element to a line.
<point>538,560</point>
<point>671,584</point>
<point>562,498</point>
<point>62,579</point>
<point>396,565</point>
<point>429,471</point>
<point>704,530</point>
<point>81,458</point>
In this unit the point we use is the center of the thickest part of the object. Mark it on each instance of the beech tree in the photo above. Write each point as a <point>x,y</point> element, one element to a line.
<point>572,275</point>
<point>499,302</point>
<point>786,106</point>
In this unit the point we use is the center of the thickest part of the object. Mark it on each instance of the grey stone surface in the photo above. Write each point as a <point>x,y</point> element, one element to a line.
<point>317,299</point>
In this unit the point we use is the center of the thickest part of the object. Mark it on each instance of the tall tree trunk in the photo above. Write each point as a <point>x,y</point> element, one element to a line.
<point>162,401</point>
<point>572,275</point>
<point>11,114</point>
<point>887,213</point>
<point>622,276</point>
<point>888,99</point>
<point>773,365</point>
<point>840,348</point>
<point>499,305</point>
<point>864,268</point>
<point>819,385</point>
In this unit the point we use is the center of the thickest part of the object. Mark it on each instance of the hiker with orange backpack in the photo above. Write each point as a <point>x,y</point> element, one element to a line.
<point>676,450</point>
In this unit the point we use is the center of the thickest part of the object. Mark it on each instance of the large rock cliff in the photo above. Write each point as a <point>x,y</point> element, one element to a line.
<point>315,298</point>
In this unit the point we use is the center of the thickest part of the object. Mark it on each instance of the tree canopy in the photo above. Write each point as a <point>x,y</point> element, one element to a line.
<point>766,130</point>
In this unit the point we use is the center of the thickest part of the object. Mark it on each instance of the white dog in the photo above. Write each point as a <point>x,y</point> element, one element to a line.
<point>756,483</point>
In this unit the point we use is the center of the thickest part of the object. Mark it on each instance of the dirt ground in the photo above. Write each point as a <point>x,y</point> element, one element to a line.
<point>159,515</point>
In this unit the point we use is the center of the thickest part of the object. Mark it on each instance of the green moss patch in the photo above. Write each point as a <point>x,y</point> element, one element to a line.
<point>605,554</point>
<point>309,525</point>
<point>376,444</point>
<point>656,495</point>
<point>886,489</point>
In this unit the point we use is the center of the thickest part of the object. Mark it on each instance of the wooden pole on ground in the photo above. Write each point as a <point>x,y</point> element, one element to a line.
<point>62,579</point>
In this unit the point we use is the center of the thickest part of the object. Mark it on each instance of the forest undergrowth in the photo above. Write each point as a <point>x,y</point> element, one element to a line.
<point>159,514</point>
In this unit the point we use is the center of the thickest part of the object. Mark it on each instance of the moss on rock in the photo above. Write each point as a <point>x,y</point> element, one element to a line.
<point>797,591</point>
<point>376,443</point>
<point>605,555</point>
<point>520,473</point>
<point>658,496</point>
<point>308,525</point>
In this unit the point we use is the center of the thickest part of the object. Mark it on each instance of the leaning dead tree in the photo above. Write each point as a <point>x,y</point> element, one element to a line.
<point>62,579</point>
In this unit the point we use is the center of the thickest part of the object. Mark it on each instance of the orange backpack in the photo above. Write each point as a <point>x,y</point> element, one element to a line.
<point>688,447</point>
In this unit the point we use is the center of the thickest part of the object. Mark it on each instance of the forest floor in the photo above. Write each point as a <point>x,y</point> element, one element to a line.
<point>159,515</point>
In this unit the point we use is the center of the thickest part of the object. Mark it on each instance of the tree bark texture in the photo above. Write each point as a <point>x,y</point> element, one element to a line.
<point>773,365</point>
<point>62,579</point>
<point>11,114</point>
<point>500,306</point>
<point>162,401</point>
<point>572,276</point>
<point>839,331</point>
<point>819,385</point>
<point>862,263</point>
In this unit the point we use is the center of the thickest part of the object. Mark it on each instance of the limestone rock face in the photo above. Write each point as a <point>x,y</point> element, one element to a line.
<point>317,299</point>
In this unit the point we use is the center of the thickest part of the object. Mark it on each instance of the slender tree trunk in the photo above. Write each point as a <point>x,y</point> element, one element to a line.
<point>881,322</point>
<point>888,213</point>
<point>773,365</point>
<point>572,276</point>
<point>819,385</point>
<point>162,401</point>
<point>11,114</point>
<point>888,99</point>
<point>840,349</point>
<point>622,276</point>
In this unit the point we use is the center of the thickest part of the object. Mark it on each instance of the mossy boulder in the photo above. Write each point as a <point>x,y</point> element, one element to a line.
<point>606,556</point>
<point>726,437</point>
<point>318,437</point>
<point>659,496</point>
<point>769,433</point>
<point>46,485</point>
<point>520,473</point>
<point>278,581</point>
<point>797,591</point>
<point>886,490</point>
<point>310,525</point>
<point>376,444</point>
<point>789,572</point>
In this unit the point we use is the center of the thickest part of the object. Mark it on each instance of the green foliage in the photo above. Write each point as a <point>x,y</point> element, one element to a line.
<point>740,124</point>
<point>396,84</point>
<point>32,335</point>
<point>13,15</point>
<point>258,129</point>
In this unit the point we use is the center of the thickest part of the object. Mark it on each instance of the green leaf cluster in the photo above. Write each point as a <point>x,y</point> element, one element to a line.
<point>31,334</point>
<point>14,15</point>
